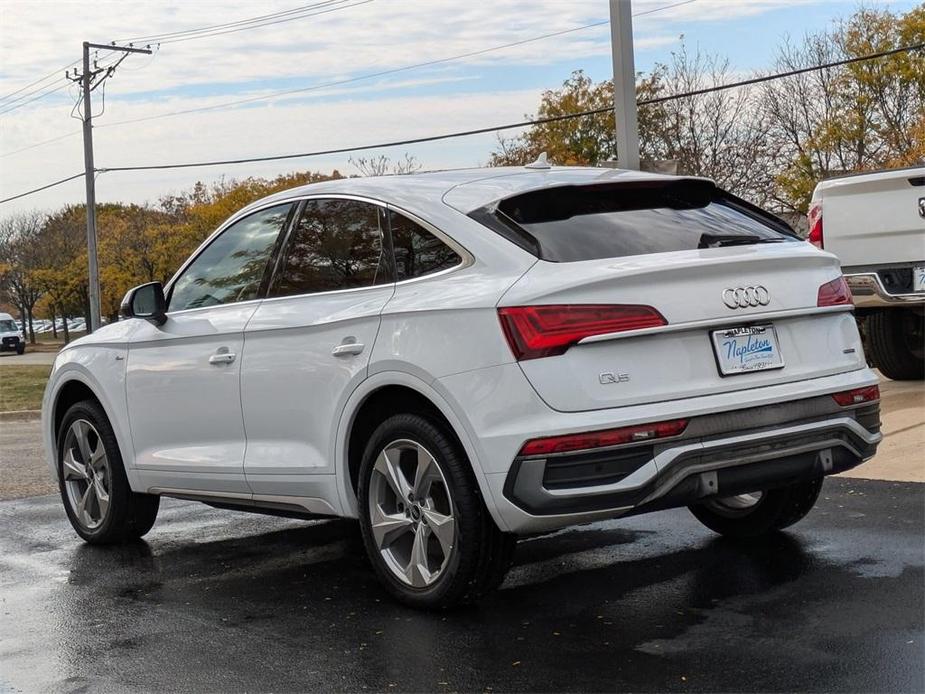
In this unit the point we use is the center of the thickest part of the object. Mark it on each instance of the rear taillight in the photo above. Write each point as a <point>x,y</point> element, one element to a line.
<point>834,293</point>
<point>815,224</point>
<point>600,439</point>
<point>857,396</point>
<point>544,331</point>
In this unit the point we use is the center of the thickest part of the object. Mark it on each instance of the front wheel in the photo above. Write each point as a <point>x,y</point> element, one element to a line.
<point>758,513</point>
<point>426,530</point>
<point>21,348</point>
<point>101,506</point>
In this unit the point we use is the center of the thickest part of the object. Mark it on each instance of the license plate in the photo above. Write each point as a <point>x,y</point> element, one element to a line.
<point>918,278</point>
<point>746,349</point>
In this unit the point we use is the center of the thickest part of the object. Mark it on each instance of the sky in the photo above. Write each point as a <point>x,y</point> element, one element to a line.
<point>339,41</point>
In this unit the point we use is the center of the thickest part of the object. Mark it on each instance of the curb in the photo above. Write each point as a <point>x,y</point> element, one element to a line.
<point>19,415</point>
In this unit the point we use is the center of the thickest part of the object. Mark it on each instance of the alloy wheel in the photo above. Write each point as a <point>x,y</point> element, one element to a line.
<point>87,474</point>
<point>411,513</point>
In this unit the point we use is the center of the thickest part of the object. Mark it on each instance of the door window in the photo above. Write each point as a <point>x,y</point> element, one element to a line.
<point>337,244</point>
<point>417,251</point>
<point>232,267</point>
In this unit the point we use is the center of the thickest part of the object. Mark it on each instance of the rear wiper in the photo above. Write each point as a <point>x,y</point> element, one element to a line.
<point>720,240</point>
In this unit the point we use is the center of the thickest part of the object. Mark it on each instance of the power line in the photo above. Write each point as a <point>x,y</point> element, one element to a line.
<point>479,131</point>
<point>158,37</point>
<point>349,80</point>
<point>40,96</point>
<point>519,124</point>
<point>45,187</point>
<point>40,79</point>
<point>264,24</point>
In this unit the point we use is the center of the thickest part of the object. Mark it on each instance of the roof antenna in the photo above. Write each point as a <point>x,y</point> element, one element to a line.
<point>542,162</point>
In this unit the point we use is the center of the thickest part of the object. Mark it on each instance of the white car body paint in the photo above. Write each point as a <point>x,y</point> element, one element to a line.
<point>271,427</point>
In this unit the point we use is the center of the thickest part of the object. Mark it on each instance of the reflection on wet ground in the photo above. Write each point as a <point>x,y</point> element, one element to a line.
<point>217,600</point>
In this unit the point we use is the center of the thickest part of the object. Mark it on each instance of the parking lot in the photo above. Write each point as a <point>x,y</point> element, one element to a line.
<point>215,600</point>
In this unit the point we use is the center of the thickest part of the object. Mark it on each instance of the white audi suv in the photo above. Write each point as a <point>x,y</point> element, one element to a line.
<point>460,358</point>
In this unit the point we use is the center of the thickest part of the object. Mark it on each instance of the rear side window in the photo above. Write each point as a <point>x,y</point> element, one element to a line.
<point>336,244</point>
<point>417,251</point>
<point>573,223</point>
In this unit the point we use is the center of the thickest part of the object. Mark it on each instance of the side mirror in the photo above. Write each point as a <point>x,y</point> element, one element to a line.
<point>146,301</point>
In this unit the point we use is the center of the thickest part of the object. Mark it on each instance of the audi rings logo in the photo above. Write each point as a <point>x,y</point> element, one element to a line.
<point>745,297</point>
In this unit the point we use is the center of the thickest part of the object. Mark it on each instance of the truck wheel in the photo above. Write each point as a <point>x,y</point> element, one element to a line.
<point>896,337</point>
<point>758,513</point>
<point>426,530</point>
<point>20,348</point>
<point>99,502</point>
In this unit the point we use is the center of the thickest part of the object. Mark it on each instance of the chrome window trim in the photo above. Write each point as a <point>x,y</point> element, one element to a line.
<point>467,258</point>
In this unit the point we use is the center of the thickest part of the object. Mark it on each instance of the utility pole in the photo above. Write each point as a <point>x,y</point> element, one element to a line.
<point>624,84</point>
<point>89,82</point>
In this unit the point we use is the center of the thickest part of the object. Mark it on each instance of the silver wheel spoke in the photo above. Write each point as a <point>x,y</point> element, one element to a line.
<point>73,470</point>
<point>443,526</point>
<point>387,527</point>
<point>425,474</point>
<point>83,510</point>
<point>81,433</point>
<point>417,572</point>
<point>388,467</point>
<point>102,497</point>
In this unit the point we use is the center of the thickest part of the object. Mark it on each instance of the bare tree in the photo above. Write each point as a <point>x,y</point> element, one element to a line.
<point>383,165</point>
<point>19,259</point>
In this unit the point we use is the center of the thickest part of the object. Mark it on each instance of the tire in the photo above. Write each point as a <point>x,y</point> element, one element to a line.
<point>127,516</point>
<point>896,338</point>
<point>773,510</point>
<point>20,348</point>
<point>479,553</point>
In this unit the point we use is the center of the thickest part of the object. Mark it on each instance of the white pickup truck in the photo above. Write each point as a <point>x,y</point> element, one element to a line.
<point>875,224</point>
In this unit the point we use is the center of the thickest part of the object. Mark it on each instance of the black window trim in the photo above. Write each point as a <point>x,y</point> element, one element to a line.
<point>227,224</point>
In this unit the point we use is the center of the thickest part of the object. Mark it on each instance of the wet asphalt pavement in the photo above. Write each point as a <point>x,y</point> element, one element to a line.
<point>223,601</point>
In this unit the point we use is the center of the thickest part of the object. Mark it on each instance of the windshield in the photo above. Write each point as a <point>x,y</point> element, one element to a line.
<point>573,223</point>
<point>8,326</point>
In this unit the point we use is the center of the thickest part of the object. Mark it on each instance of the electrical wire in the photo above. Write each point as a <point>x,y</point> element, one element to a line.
<point>153,38</point>
<point>349,80</point>
<point>40,96</point>
<point>478,131</point>
<point>45,187</point>
<point>40,79</point>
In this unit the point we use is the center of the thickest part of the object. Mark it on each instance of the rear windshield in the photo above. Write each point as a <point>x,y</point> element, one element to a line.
<point>610,221</point>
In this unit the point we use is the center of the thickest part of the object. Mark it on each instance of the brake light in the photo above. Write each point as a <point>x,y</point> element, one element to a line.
<point>857,396</point>
<point>815,224</point>
<point>834,293</point>
<point>603,438</point>
<point>544,331</point>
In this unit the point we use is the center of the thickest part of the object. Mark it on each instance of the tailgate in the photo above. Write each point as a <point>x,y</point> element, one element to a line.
<point>689,288</point>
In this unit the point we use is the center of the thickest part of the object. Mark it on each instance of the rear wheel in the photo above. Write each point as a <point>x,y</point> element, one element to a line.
<point>758,513</point>
<point>101,506</point>
<point>896,339</point>
<point>426,530</point>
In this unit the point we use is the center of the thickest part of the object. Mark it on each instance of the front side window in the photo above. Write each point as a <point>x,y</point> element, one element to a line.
<point>337,244</point>
<point>417,251</point>
<point>232,267</point>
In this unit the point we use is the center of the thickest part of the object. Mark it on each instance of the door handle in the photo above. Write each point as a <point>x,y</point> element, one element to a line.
<point>222,358</point>
<point>346,348</point>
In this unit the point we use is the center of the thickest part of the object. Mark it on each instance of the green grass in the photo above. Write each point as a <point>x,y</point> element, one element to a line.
<point>21,387</point>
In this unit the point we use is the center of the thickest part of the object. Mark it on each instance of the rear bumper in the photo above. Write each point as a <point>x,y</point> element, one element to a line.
<point>868,291</point>
<point>719,455</point>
